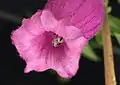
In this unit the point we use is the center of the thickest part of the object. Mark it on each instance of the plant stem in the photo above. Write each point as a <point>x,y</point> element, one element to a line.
<point>108,54</point>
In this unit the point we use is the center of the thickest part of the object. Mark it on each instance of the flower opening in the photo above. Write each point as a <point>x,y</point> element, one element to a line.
<point>57,41</point>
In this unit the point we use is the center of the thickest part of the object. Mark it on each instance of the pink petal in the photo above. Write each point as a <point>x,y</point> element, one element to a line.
<point>46,19</point>
<point>86,10</point>
<point>69,65</point>
<point>37,65</point>
<point>84,14</point>
<point>62,8</point>
<point>34,25</point>
<point>22,37</point>
<point>68,32</point>
<point>67,8</point>
<point>92,24</point>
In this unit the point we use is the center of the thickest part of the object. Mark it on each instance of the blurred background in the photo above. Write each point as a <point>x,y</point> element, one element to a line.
<point>91,71</point>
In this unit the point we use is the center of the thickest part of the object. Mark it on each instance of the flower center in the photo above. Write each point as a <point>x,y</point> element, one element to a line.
<point>57,41</point>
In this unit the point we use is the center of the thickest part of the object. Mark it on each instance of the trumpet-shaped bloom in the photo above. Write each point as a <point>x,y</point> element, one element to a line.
<point>53,38</point>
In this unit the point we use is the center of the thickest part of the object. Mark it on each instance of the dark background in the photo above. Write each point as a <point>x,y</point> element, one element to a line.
<point>12,66</point>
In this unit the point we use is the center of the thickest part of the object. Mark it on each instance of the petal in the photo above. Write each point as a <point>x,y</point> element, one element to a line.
<point>33,25</point>
<point>76,45</point>
<point>63,8</point>
<point>38,65</point>
<point>73,10</point>
<point>68,32</point>
<point>67,63</point>
<point>93,23</point>
<point>55,61</point>
<point>23,36</point>
<point>46,19</point>
<point>75,49</point>
<point>38,54</point>
<point>87,8</point>
<point>71,32</point>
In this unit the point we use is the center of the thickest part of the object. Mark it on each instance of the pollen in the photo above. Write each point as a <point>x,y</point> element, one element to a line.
<point>57,41</point>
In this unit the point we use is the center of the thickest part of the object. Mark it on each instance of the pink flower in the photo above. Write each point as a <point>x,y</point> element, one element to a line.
<point>55,37</point>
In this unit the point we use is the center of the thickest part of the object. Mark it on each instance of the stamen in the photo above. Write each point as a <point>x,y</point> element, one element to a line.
<point>57,41</point>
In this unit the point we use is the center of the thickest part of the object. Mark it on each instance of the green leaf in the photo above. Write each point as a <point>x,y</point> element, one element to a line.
<point>98,38</point>
<point>114,24</point>
<point>94,45</point>
<point>52,72</point>
<point>89,54</point>
<point>109,9</point>
<point>117,35</point>
<point>118,1</point>
<point>63,80</point>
